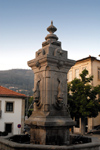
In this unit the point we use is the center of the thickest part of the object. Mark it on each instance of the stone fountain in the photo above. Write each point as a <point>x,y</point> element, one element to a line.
<point>50,120</point>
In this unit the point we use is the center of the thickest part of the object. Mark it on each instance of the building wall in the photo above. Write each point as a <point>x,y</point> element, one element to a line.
<point>80,66</point>
<point>96,81</point>
<point>95,66</point>
<point>11,117</point>
<point>22,115</point>
<point>92,66</point>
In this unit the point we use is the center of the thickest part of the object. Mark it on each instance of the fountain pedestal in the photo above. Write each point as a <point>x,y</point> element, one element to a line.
<point>50,120</point>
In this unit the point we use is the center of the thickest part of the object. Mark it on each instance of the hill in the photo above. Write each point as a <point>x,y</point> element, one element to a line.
<point>19,80</point>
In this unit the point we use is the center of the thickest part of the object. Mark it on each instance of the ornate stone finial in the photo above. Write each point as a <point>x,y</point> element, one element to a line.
<point>51,37</point>
<point>51,28</point>
<point>51,22</point>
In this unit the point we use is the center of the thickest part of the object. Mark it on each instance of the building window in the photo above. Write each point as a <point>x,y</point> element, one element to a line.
<point>98,73</point>
<point>9,106</point>
<point>70,76</point>
<point>77,122</point>
<point>77,73</point>
<point>8,127</point>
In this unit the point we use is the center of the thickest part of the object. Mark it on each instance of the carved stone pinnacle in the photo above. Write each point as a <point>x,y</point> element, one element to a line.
<point>51,29</point>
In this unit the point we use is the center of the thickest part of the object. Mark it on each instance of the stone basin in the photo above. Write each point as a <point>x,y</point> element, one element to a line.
<point>5,144</point>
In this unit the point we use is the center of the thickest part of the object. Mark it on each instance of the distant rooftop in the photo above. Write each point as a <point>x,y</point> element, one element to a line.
<point>89,57</point>
<point>4,92</point>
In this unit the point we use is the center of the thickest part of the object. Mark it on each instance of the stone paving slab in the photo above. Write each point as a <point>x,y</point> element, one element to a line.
<point>95,138</point>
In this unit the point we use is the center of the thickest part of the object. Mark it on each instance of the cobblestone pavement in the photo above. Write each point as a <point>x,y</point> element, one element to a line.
<point>95,137</point>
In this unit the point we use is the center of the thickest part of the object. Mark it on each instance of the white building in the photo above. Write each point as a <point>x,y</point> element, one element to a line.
<point>12,110</point>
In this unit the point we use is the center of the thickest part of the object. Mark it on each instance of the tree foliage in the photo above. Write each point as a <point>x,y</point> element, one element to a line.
<point>30,106</point>
<point>82,97</point>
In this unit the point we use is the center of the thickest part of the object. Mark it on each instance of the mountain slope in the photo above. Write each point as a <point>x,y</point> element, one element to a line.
<point>19,80</point>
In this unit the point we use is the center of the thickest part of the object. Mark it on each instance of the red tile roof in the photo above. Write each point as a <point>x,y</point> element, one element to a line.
<point>4,92</point>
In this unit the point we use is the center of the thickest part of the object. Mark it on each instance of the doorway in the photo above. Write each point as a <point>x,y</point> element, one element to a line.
<point>8,127</point>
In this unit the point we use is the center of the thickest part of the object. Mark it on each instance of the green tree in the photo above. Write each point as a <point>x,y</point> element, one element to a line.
<point>82,98</point>
<point>29,106</point>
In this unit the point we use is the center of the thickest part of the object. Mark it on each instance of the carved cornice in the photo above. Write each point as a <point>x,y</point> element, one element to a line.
<point>56,61</point>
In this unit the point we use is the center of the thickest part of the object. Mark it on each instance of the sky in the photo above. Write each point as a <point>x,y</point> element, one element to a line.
<point>23,25</point>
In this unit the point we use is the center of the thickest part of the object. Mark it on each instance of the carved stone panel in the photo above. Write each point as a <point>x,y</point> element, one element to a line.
<point>40,52</point>
<point>60,53</point>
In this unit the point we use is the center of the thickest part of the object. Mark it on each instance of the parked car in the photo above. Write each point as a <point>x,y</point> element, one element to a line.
<point>95,130</point>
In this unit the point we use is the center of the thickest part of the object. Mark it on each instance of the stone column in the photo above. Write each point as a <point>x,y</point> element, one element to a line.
<point>50,120</point>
